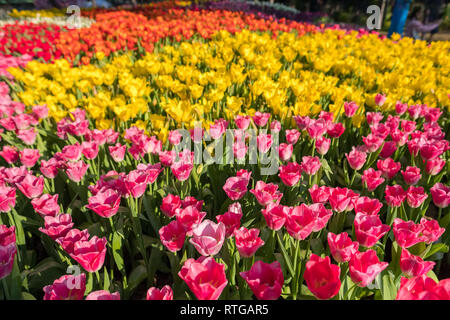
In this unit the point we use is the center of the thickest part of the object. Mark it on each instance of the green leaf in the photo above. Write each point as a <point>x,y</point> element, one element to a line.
<point>437,247</point>
<point>117,251</point>
<point>27,296</point>
<point>388,288</point>
<point>138,275</point>
<point>44,273</point>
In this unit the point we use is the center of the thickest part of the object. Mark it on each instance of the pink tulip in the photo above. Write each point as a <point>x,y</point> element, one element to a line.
<point>418,288</point>
<point>29,157</point>
<point>401,108</point>
<point>350,108</point>
<point>441,195</point>
<point>8,250</point>
<point>317,128</point>
<point>165,293</point>
<point>319,194</point>
<point>90,254</point>
<point>7,198</point>
<point>50,168</point>
<point>356,159</point>
<point>413,266</point>
<point>247,241</point>
<point>231,220</point>
<point>31,186</point>
<point>335,130</point>
<point>117,152</point>
<point>103,295</point>
<point>191,201</point>
<point>265,280</point>
<point>173,236</point>
<point>205,277</point>
<point>431,230</point>
<point>264,142</point>
<point>372,179</point>
<point>300,222</point>
<point>260,119</point>
<point>388,167</point>
<point>235,187</point>
<point>275,215</point>
<point>388,149</point>
<point>67,287</point>
<point>369,229</point>
<point>341,199</point>
<point>285,151</point>
<point>242,122</point>
<point>46,205</point>
<point>415,196</point>
<point>367,206</point>
<point>167,158</point>
<point>57,227</point>
<point>190,217</point>
<point>292,136</point>
<point>290,174</point>
<point>341,246</point>
<point>322,277</point>
<point>266,193</point>
<point>76,170</point>
<point>411,175</point>
<point>364,267</point>
<point>174,137</point>
<point>374,117</point>
<point>10,154</point>
<point>182,170</point>
<point>275,126</point>
<point>406,233</point>
<point>302,122</point>
<point>105,203</point>
<point>394,195</point>
<point>431,150</point>
<point>170,204</point>
<point>208,237</point>
<point>372,142</point>
<point>28,136</point>
<point>72,152</point>
<point>433,167</point>
<point>322,145</point>
<point>380,99</point>
<point>310,165</point>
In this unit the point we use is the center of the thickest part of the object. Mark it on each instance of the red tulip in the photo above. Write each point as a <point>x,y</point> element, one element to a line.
<point>322,277</point>
<point>265,280</point>
<point>173,236</point>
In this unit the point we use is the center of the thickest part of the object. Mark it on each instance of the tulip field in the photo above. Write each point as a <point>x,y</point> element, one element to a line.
<point>173,151</point>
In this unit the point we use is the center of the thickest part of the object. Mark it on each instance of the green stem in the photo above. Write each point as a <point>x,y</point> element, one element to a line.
<point>5,289</point>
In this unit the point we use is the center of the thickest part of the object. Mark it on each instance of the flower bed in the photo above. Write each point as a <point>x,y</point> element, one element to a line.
<point>213,154</point>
